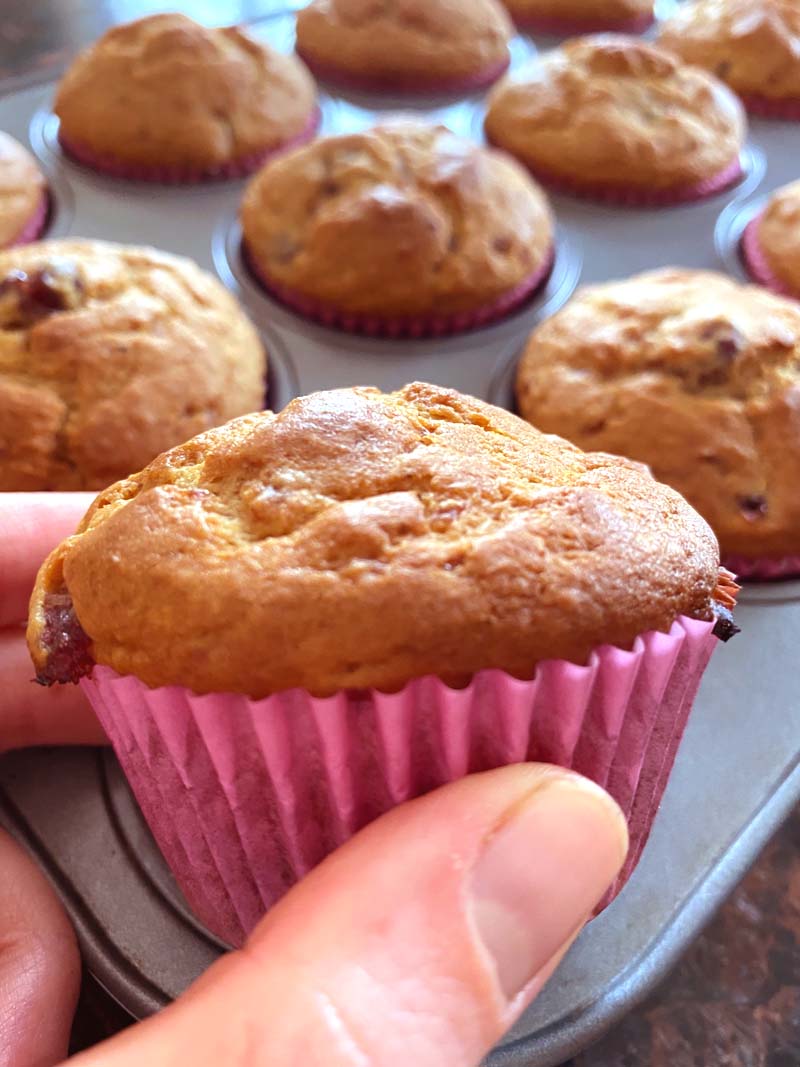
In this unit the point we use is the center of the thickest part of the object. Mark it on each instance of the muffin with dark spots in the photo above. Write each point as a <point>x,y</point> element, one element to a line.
<point>307,618</point>
<point>110,354</point>
<point>695,375</point>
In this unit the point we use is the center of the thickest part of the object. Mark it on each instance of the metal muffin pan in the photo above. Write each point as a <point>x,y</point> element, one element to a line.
<point>738,770</point>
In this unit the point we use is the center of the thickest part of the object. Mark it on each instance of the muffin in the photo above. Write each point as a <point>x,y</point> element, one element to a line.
<point>771,243</point>
<point>613,118</point>
<point>753,45</point>
<point>409,46</point>
<point>23,194</point>
<point>110,354</point>
<point>404,229</point>
<point>695,375</point>
<point>351,602</point>
<point>165,99</point>
<point>582,16</point>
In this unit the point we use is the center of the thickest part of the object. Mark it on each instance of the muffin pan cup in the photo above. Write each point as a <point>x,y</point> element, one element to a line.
<point>737,773</point>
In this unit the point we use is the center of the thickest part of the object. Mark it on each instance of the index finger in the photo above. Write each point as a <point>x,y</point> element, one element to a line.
<point>31,525</point>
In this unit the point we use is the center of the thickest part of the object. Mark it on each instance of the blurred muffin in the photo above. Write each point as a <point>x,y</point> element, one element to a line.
<point>613,118</point>
<point>582,16</point>
<point>753,45</point>
<point>23,194</point>
<point>771,243</point>
<point>108,355</point>
<point>322,575</point>
<point>166,99</point>
<point>414,46</point>
<point>401,229</point>
<point>698,377</point>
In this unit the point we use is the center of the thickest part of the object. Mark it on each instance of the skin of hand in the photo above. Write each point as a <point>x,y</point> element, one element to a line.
<point>420,941</point>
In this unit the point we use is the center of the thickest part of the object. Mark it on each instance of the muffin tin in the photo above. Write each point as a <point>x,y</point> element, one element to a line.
<point>738,770</point>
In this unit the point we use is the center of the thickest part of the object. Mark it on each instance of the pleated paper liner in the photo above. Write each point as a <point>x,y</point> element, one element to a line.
<point>404,84</point>
<point>172,175</point>
<point>767,108</point>
<point>631,196</point>
<point>406,326</point>
<point>556,26</point>
<point>244,796</point>
<point>35,226</point>
<point>757,263</point>
<point>765,569</point>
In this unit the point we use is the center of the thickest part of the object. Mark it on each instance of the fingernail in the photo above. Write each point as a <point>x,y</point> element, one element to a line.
<point>542,872</point>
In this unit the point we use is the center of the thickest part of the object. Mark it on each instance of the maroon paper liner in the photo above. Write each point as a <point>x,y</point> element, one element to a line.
<point>627,196</point>
<point>767,108</point>
<point>409,84</point>
<point>756,262</point>
<point>35,226</point>
<point>763,569</point>
<point>565,27</point>
<point>414,326</point>
<point>168,175</point>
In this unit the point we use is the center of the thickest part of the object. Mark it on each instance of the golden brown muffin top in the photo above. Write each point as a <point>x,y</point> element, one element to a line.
<point>166,91</point>
<point>753,45</point>
<point>693,374</point>
<point>600,11</point>
<point>401,219</point>
<point>611,108</point>
<point>108,355</point>
<point>362,539</point>
<point>405,38</point>
<point>779,234</point>
<point>22,186</point>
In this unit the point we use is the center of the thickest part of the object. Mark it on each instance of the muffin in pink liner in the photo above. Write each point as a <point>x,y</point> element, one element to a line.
<point>568,18</point>
<point>184,175</point>
<point>409,46</point>
<point>165,99</point>
<point>616,119</point>
<point>750,44</point>
<point>295,622</point>
<point>632,196</point>
<point>24,202</point>
<point>401,230</point>
<point>695,375</point>
<point>771,242</point>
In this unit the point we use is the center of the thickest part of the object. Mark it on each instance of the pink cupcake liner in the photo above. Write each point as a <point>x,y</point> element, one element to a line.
<point>35,225</point>
<point>757,264</point>
<point>631,197</point>
<point>765,569</point>
<point>764,107</point>
<point>407,84</point>
<point>565,27</point>
<point>244,796</point>
<point>413,326</point>
<point>168,175</point>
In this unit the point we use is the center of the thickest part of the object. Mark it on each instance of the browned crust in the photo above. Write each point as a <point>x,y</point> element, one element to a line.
<point>362,539</point>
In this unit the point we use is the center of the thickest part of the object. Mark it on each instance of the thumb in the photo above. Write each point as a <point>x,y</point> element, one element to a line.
<point>420,941</point>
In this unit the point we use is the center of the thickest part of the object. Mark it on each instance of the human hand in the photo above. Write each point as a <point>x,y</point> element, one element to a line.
<point>420,941</point>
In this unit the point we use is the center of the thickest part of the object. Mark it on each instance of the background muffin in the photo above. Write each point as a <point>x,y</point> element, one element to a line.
<point>615,118</point>
<point>698,377</point>
<point>354,544</point>
<point>771,242</point>
<point>23,194</point>
<point>167,99</point>
<point>404,228</point>
<point>408,45</point>
<point>109,355</point>
<point>582,16</point>
<point>750,44</point>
